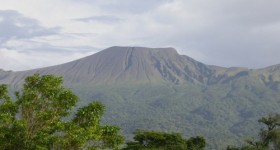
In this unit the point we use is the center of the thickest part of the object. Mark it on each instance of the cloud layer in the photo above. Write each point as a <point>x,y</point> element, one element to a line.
<point>225,33</point>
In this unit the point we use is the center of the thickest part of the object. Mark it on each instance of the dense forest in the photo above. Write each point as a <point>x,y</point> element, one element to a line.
<point>43,116</point>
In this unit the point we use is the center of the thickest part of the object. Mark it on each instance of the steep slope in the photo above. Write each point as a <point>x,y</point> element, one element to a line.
<point>4,74</point>
<point>156,88</point>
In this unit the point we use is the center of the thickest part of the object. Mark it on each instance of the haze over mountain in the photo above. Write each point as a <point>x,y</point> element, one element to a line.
<point>156,88</point>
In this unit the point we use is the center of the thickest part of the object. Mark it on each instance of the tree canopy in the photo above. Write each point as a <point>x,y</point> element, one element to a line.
<point>165,141</point>
<point>39,118</point>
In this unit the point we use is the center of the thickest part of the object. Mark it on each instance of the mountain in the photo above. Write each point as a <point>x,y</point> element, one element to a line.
<point>130,64</point>
<point>158,89</point>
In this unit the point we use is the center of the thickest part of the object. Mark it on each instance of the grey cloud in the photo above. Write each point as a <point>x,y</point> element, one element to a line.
<point>126,6</point>
<point>13,25</point>
<point>61,49</point>
<point>132,6</point>
<point>104,18</point>
<point>234,33</point>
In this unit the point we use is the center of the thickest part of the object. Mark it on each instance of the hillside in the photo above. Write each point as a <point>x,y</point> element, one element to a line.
<point>156,88</point>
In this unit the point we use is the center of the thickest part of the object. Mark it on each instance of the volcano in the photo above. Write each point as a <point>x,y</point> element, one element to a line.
<point>159,89</point>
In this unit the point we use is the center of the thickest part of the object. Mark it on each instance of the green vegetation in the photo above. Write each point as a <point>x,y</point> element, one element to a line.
<point>37,119</point>
<point>41,116</point>
<point>269,136</point>
<point>158,140</point>
<point>224,114</point>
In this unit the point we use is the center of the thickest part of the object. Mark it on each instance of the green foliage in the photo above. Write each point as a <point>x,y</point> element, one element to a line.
<point>243,148</point>
<point>269,136</point>
<point>160,140</point>
<point>37,119</point>
<point>196,143</point>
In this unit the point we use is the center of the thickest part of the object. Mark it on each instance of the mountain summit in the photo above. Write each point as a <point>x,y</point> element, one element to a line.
<point>134,64</point>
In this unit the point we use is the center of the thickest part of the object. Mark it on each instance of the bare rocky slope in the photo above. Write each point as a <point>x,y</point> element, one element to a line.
<point>156,88</point>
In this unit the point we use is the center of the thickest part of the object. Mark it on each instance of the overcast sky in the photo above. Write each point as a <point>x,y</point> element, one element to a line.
<point>39,33</point>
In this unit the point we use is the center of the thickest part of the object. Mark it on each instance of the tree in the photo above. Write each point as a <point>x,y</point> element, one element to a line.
<point>159,140</point>
<point>196,143</point>
<point>269,135</point>
<point>39,118</point>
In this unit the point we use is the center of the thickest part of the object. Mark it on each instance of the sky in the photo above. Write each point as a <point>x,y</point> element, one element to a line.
<point>229,33</point>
